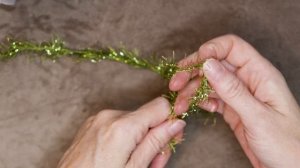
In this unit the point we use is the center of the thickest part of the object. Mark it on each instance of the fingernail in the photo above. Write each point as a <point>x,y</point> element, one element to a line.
<point>212,67</point>
<point>176,126</point>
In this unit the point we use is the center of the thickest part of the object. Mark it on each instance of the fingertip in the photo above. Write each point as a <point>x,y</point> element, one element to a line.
<point>161,159</point>
<point>160,103</point>
<point>175,127</point>
<point>179,137</point>
<point>153,113</point>
<point>173,84</point>
<point>211,105</point>
<point>181,106</point>
<point>179,80</point>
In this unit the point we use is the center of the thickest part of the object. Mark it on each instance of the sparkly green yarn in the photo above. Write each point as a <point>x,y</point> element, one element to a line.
<point>56,49</point>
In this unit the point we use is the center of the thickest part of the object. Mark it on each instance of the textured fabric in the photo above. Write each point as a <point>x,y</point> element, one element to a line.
<point>42,104</point>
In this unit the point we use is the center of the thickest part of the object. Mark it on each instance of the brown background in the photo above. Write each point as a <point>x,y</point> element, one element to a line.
<point>42,104</point>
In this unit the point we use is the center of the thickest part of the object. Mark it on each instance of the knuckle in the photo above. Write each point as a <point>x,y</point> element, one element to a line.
<point>107,114</point>
<point>234,88</point>
<point>156,141</point>
<point>213,48</point>
<point>119,128</point>
<point>235,39</point>
<point>124,127</point>
<point>106,119</point>
<point>208,47</point>
<point>115,132</point>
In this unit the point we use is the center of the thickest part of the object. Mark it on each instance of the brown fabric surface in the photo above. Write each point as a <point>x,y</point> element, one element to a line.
<point>42,104</point>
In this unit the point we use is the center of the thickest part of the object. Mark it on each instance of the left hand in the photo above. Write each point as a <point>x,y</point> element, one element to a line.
<point>116,139</point>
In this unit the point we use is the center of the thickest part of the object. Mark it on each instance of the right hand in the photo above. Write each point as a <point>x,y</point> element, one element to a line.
<point>253,97</point>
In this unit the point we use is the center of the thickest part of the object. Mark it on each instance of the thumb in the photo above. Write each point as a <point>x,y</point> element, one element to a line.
<point>154,142</point>
<point>232,91</point>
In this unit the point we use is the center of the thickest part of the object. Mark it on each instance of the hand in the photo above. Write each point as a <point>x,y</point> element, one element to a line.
<point>253,97</point>
<point>114,139</point>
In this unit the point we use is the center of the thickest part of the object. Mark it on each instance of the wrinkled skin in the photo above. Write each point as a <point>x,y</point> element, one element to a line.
<point>118,139</point>
<point>250,93</point>
<point>253,97</point>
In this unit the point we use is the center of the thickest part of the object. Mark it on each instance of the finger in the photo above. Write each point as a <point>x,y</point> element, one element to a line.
<point>129,129</point>
<point>228,66</point>
<point>207,51</point>
<point>107,116</point>
<point>239,132</point>
<point>152,113</point>
<point>252,68</point>
<point>232,91</point>
<point>154,141</point>
<point>210,105</point>
<point>236,52</point>
<point>191,60</point>
<point>231,117</point>
<point>258,74</point>
<point>230,48</point>
<point>221,105</point>
<point>162,158</point>
<point>180,79</point>
<point>182,101</point>
<point>184,96</point>
<point>234,121</point>
<point>233,49</point>
<point>213,95</point>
